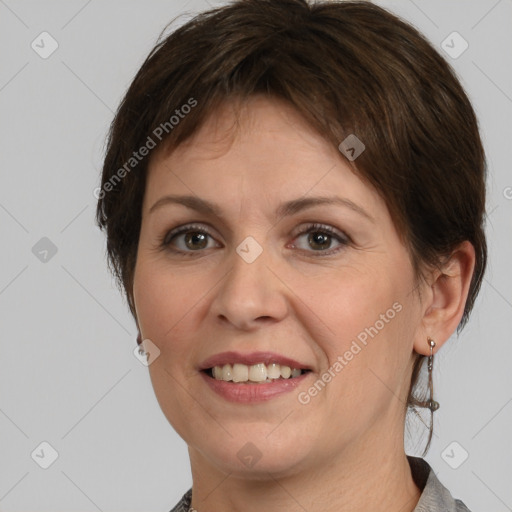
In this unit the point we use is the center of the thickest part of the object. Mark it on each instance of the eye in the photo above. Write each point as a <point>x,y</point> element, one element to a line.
<point>320,239</point>
<point>192,238</point>
<point>187,239</point>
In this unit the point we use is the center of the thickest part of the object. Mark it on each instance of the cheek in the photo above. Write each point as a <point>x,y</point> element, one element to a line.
<point>373,320</point>
<point>158,299</point>
<point>170,306</point>
<point>361,306</point>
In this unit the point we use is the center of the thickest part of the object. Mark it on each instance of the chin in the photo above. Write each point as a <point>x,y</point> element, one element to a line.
<point>256,454</point>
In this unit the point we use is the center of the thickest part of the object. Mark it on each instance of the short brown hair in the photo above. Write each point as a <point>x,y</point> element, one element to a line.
<point>347,67</point>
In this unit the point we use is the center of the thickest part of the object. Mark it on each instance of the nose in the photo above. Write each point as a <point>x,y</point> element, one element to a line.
<point>250,294</point>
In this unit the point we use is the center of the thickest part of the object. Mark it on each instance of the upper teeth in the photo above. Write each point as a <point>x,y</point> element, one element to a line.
<point>254,373</point>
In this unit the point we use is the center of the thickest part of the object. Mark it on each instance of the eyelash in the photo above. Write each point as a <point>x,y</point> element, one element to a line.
<point>165,241</point>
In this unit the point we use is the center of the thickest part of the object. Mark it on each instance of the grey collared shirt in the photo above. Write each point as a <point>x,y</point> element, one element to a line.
<point>435,497</point>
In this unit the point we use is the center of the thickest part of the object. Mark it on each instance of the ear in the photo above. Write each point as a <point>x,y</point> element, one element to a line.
<point>447,295</point>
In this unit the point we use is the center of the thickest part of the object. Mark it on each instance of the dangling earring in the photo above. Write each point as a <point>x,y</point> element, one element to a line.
<point>142,350</point>
<point>431,404</point>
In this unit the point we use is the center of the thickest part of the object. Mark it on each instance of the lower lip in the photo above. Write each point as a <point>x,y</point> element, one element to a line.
<point>253,392</point>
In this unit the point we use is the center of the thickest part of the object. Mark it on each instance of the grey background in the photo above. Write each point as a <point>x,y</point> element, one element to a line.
<point>68,374</point>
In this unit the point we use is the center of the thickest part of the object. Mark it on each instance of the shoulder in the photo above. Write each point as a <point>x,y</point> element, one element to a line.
<point>184,503</point>
<point>435,497</point>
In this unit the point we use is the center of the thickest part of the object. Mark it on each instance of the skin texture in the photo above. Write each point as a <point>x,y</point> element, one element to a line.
<point>344,449</point>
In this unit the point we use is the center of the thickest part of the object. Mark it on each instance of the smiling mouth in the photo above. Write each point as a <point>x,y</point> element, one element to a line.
<point>259,373</point>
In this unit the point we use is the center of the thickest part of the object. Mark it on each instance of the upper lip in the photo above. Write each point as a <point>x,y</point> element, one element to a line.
<point>250,359</point>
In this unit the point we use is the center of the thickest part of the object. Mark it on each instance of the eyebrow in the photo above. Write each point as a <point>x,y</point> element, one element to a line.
<point>285,209</point>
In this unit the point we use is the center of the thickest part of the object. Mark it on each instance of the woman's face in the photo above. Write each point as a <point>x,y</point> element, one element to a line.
<point>249,278</point>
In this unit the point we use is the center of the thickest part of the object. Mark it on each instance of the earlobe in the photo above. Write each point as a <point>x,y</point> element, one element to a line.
<point>449,291</point>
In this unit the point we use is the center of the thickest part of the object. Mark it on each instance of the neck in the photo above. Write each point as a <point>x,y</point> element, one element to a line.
<point>356,481</point>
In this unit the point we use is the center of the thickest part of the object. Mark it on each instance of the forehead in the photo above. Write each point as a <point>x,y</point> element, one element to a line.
<point>263,149</point>
<point>248,123</point>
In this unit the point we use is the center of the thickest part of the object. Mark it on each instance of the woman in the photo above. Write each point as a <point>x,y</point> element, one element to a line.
<point>293,197</point>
